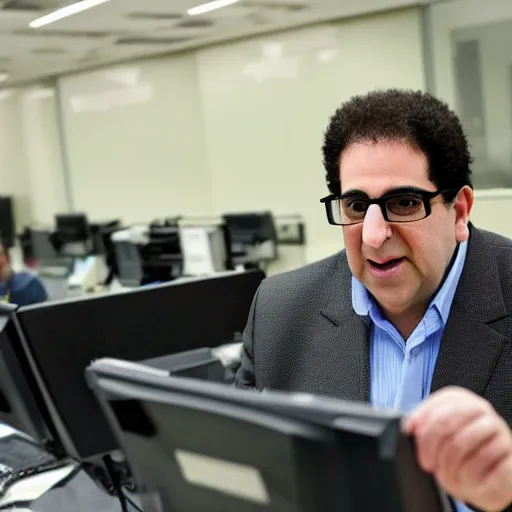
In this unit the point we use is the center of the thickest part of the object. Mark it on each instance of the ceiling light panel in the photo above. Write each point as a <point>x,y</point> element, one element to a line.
<point>65,12</point>
<point>211,6</point>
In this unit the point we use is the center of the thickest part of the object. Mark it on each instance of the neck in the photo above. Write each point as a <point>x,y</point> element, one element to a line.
<point>405,323</point>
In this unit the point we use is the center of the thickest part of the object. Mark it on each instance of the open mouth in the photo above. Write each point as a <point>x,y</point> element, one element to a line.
<point>388,265</point>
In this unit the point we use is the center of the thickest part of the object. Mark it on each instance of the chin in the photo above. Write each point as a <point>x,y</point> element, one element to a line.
<point>393,302</point>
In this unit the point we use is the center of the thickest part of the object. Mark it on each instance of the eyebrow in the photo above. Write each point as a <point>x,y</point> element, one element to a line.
<point>389,191</point>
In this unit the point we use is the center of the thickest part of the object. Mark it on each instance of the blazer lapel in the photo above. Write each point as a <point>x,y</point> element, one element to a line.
<point>344,328</point>
<point>472,341</point>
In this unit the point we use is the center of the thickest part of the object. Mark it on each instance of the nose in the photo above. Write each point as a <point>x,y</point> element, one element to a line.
<point>375,228</point>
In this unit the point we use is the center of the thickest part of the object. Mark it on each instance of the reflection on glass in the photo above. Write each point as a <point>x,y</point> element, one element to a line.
<point>482,71</point>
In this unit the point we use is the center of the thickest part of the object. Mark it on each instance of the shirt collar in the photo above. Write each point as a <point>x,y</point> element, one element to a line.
<point>364,305</point>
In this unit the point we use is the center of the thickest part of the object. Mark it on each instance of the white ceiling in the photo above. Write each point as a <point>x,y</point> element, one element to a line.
<point>123,29</point>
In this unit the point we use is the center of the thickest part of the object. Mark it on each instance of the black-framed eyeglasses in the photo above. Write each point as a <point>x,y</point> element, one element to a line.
<point>401,205</point>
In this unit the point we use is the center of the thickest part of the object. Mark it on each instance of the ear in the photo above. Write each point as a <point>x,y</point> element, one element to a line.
<point>463,204</point>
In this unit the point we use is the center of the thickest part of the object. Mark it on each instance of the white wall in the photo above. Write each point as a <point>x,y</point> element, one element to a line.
<point>44,154</point>
<point>14,174</point>
<point>232,127</point>
<point>134,140</point>
<point>30,155</point>
<point>267,102</point>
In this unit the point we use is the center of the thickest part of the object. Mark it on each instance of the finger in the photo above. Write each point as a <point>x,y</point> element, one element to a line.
<point>481,463</point>
<point>463,485</point>
<point>450,395</point>
<point>441,423</point>
<point>494,490</point>
<point>457,449</point>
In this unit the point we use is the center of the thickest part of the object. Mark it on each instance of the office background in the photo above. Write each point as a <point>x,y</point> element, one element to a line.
<point>237,126</point>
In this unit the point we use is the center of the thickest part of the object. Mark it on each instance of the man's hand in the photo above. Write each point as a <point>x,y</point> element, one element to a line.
<point>466,445</point>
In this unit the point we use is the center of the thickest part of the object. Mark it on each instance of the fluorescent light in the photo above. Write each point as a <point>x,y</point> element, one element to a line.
<point>4,76</point>
<point>210,6</point>
<point>64,12</point>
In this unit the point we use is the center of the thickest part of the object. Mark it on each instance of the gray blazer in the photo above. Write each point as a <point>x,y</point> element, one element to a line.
<point>303,335</point>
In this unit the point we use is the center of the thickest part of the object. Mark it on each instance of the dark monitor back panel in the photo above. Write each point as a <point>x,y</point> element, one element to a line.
<point>259,225</point>
<point>65,337</point>
<point>7,228</point>
<point>72,227</point>
<point>209,448</point>
<point>20,404</point>
<point>257,466</point>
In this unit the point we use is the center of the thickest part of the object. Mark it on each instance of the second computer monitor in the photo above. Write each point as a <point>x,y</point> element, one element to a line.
<point>64,337</point>
<point>21,404</point>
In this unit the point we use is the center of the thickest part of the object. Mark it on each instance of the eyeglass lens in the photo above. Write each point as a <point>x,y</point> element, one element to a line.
<point>405,207</point>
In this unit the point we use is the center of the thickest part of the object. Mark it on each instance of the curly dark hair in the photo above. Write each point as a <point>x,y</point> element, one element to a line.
<point>401,115</point>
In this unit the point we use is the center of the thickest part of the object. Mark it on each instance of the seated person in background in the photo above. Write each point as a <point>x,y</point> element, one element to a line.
<point>21,288</point>
<point>419,302</point>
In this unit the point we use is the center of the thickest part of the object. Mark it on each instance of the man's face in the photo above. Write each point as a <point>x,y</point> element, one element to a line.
<point>4,265</point>
<point>401,265</point>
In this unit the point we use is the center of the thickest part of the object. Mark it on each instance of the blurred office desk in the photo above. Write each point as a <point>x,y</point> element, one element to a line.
<point>77,494</point>
<point>80,494</point>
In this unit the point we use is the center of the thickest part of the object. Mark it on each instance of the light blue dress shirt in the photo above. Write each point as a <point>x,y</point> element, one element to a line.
<point>401,373</point>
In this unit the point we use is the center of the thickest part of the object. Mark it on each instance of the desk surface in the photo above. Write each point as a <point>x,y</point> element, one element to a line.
<point>80,494</point>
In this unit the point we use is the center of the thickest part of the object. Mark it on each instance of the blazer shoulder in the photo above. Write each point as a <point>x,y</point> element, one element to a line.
<point>299,291</point>
<point>303,277</point>
<point>501,248</point>
<point>495,240</point>
<point>495,250</point>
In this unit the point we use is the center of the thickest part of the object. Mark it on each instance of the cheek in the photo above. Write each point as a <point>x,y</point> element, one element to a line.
<point>428,249</point>
<point>352,238</point>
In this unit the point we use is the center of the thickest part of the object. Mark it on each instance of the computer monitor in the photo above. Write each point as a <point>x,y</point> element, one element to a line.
<point>72,227</point>
<point>72,236</point>
<point>64,337</point>
<point>21,404</point>
<point>209,447</point>
<point>252,236</point>
<point>129,263</point>
<point>42,248</point>
<point>204,249</point>
<point>103,245</point>
<point>162,259</point>
<point>7,225</point>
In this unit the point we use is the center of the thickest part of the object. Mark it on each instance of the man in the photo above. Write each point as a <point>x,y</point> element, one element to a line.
<point>20,288</point>
<point>419,302</point>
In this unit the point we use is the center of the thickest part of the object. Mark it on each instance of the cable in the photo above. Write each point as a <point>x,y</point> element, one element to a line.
<point>114,475</point>
<point>133,504</point>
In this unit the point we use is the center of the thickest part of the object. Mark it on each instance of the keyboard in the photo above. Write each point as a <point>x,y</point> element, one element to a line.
<point>7,478</point>
<point>20,459</point>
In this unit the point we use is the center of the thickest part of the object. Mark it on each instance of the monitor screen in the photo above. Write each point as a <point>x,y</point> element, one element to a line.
<point>64,337</point>
<point>208,447</point>
<point>129,263</point>
<point>42,248</point>
<point>252,236</point>
<point>254,226</point>
<point>72,227</point>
